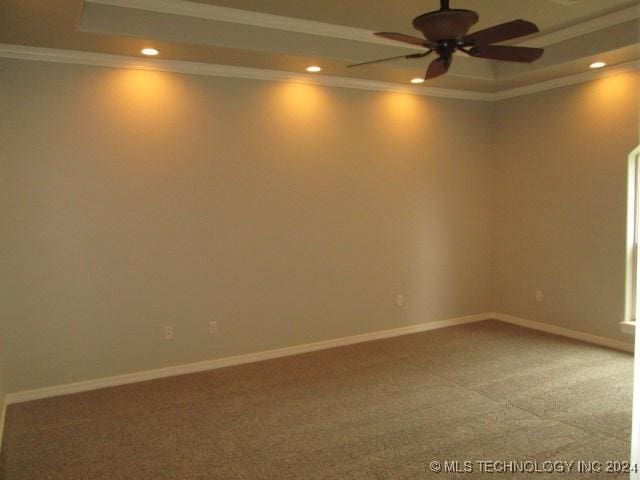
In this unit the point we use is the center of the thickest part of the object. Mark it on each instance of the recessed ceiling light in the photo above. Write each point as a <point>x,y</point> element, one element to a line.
<point>314,69</point>
<point>149,51</point>
<point>417,80</point>
<point>598,65</point>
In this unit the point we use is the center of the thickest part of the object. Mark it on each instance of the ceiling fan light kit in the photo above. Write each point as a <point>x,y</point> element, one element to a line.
<point>445,31</point>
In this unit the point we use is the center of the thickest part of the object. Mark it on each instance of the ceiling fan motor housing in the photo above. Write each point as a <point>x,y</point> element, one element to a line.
<point>445,24</point>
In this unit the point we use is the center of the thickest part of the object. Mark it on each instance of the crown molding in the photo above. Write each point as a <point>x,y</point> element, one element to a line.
<point>256,19</point>
<point>78,57</point>
<point>567,80</point>
<point>22,52</point>
<point>298,25</point>
<point>584,28</point>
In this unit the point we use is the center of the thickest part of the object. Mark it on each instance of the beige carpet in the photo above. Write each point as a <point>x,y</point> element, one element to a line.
<point>380,410</point>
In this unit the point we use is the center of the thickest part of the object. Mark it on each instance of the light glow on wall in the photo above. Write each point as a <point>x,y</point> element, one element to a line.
<point>304,110</point>
<point>401,116</point>
<point>142,103</point>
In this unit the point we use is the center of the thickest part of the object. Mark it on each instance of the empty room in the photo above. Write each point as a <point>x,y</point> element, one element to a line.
<point>295,239</point>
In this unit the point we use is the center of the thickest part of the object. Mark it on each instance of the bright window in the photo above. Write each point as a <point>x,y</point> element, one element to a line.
<point>633,234</point>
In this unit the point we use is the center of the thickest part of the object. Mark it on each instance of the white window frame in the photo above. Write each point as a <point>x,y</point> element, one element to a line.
<point>633,236</point>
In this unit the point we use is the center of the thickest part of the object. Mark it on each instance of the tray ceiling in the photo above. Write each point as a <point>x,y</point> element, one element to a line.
<point>289,35</point>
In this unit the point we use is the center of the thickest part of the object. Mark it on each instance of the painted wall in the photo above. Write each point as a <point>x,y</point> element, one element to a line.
<point>560,203</point>
<point>287,213</point>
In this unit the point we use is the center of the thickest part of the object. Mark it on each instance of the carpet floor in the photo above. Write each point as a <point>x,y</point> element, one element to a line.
<point>484,392</point>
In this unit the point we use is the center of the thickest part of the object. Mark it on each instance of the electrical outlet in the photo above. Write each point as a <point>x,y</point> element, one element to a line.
<point>400,300</point>
<point>168,332</point>
<point>539,296</point>
<point>213,328</point>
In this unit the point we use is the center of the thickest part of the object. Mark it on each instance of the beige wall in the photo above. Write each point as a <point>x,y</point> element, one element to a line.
<point>292,214</point>
<point>560,203</point>
<point>288,213</point>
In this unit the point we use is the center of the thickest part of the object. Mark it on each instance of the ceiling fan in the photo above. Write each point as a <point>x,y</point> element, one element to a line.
<point>445,31</point>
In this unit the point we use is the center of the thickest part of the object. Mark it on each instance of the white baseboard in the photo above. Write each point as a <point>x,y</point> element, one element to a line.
<point>628,327</point>
<point>564,332</point>
<point>54,391</point>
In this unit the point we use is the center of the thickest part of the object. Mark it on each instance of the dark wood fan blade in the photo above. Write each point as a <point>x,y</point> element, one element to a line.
<point>502,32</point>
<point>438,67</point>
<point>506,53</point>
<point>401,37</point>
<point>413,55</point>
